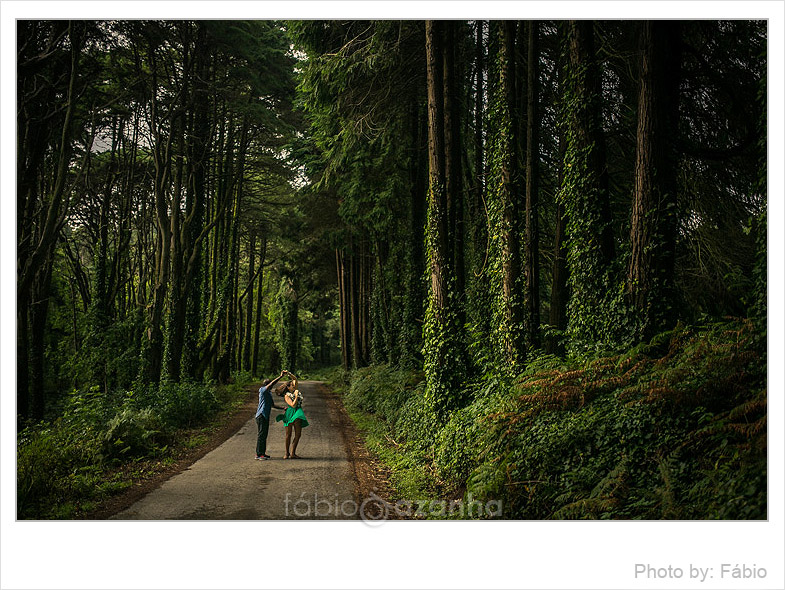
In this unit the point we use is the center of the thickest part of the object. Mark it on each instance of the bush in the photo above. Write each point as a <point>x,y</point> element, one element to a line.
<point>43,466</point>
<point>132,433</point>
<point>458,444</point>
<point>180,405</point>
<point>416,423</point>
<point>381,390</point>
<point>394,396</point>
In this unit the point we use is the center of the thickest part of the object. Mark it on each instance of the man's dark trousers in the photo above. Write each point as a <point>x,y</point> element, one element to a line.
<point>263,427</point>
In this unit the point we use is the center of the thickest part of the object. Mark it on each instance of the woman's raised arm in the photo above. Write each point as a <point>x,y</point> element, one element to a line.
<point>294,380</point>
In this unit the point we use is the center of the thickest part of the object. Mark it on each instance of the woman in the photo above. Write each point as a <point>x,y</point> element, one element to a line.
<point>294,418</point>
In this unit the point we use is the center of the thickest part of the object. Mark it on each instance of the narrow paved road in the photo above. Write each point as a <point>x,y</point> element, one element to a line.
<point>230,484</point>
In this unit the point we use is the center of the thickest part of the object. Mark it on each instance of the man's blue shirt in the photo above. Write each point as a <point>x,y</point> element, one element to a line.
<point>265,401</point>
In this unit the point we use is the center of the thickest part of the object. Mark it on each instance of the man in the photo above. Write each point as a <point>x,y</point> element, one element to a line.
<point>263,416</point>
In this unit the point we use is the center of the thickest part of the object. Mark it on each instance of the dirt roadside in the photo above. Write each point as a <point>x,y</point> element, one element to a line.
<point>371,476</point>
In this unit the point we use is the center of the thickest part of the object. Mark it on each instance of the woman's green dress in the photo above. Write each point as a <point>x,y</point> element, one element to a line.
<point>291,415</point>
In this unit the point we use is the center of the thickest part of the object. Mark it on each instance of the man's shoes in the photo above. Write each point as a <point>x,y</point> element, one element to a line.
<point>265,456</point>
<point>258,457</point>
<point>262,457</point>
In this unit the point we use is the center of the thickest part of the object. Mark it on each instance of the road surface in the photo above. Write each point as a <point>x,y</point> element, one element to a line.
<point>230,484</point>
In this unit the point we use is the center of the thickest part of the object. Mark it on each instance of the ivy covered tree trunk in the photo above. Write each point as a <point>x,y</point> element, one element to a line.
<point>379,315</point>
<point>195,209</point>
<point>532,247</point>
<point>504,207</point>
<point>650,274</point>
<point>249,304</point>
<point>557,319</point>
<point>175,316</point>
<point>477,297</point>
<point>440,345</point>
<point>152,349</point>
<point>452,161</point>
<point>584,193</point>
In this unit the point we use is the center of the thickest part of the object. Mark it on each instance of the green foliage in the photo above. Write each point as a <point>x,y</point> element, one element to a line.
<point>592,309</point>
<point>389,407</point>
<point>457,444</point>
<point>671,429</point>
<point>503,206</point>
<point>179,405</point>
<point>395,396</point>
<point>50,460</point>
<point>758,301</point>
<point>131,433</point>
<point>381,390</point>
<point>674,429</point>
<point>442,342</point>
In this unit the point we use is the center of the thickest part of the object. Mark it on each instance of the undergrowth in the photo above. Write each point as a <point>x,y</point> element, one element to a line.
<point>67,465</point>
<point>386,405</point>
<point>672,429</point>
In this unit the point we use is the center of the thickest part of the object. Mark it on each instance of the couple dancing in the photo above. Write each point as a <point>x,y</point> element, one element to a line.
<point>293,418</point>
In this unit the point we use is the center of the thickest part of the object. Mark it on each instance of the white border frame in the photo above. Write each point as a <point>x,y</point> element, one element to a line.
<point>351,555</point>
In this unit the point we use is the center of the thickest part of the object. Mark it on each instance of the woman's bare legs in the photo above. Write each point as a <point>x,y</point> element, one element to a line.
<point>288,438</point>
<point>298,429</point>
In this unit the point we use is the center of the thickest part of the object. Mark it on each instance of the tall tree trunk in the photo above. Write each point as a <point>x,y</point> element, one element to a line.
<point>38,313</point>
<point>508,197</point>
<point>343,308</point>
<point>173,338</point>
<point>249,304</point>
<point>362,300</point>
<point>237,186</point>
<point>452,160</point>
<point>437,225</point>
<point>479,110</point>
<point>354,309</point>
<point>162,145</point>
<point>367,290</point>
<point>585,193</point>
<point>411,336</point>
<point>440,347</point>
<point>259,295</point>
<point>195,209</point>
<point>650,274</point>
<point>559,296</point>
<point>532,250</point>
<point>477,213</point>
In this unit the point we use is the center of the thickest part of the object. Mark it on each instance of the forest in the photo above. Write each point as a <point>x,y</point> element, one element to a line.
<point>530,255</point>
